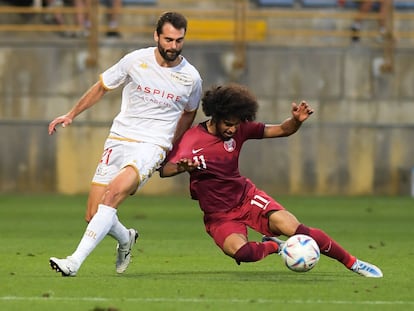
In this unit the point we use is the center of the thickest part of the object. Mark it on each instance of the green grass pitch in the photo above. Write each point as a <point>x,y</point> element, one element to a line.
<point>176,265</point>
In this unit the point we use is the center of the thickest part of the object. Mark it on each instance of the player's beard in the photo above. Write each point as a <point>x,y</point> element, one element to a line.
<point>168,55</point>
<point>224,136</point>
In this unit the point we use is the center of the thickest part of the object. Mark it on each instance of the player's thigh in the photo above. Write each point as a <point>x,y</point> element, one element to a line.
<point>220,231</point>
<point>123,185</point>
<point>125,167</point>
<point>258,207</point>
<point>283,222</point>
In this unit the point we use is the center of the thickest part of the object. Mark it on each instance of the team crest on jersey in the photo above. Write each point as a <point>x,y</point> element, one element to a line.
<point>144,65</point>
<point>183,78</point>
<point>230,145</point>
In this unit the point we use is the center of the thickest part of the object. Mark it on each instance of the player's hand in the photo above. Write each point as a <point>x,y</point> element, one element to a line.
<point>188,165</point>
<point>64,120</point>
<point>302,111</point>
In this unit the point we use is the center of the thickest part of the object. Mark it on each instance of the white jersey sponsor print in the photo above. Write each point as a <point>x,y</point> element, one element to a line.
<point>153,97</point>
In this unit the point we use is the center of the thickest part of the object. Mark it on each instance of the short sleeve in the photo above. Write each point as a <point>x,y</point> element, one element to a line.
<point>116,75</point>
<point>195,96</point>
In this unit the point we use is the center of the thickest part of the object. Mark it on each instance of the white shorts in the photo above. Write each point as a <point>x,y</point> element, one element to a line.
<point>118,153</point>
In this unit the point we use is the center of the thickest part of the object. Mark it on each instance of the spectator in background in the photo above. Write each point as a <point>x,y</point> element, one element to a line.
<point>113,17</point>
<point>20,2</point>
<point>364,7</point>
<point>56,18</point>
<point>83,18</point>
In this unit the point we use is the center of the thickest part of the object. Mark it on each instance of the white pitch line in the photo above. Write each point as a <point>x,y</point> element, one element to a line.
<point>200,300</point>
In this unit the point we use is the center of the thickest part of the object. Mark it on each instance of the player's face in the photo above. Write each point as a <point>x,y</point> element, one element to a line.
<point>170,42</point>
<point>227,128</point>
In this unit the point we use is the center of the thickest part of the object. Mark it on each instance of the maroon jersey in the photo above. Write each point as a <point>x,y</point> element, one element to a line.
<point>216,183</point>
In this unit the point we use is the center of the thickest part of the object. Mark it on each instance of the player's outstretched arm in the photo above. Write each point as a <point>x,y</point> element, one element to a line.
<point>91,97</point>
<point>300,113</point>
<point>170,169</point>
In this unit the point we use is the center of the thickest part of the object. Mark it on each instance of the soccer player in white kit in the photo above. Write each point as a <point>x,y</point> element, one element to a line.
<point>160,99</point>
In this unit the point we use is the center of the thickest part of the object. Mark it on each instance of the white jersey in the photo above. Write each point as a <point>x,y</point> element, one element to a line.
<point>153,97</point>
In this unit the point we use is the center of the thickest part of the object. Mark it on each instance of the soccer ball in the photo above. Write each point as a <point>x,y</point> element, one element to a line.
<point>300,253</point>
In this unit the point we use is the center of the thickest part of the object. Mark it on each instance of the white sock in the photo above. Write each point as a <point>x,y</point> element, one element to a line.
<point>119,232</point>
<point>96,230</point>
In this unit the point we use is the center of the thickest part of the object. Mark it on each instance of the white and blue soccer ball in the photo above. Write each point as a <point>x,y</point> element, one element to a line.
<point>300,253</point>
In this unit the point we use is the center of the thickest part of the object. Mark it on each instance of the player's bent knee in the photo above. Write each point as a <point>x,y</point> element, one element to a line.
<point>283,222</point>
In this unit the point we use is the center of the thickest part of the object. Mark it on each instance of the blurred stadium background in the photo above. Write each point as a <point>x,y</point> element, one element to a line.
<point>359,141</point>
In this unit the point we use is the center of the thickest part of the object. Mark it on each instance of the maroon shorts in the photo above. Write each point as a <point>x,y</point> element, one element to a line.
<point>253,213</point>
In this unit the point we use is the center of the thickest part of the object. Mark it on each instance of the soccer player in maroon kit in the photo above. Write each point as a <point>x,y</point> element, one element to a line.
<point>210,151</point>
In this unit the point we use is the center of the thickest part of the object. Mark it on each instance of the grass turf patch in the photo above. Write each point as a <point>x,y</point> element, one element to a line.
<point>176,265</point>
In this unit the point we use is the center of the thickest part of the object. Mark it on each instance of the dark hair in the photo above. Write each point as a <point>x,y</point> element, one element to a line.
<point>229,101</point>
<point>176,19</point>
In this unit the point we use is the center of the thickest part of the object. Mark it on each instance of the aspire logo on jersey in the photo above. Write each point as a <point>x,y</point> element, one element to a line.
<point>158,92</point>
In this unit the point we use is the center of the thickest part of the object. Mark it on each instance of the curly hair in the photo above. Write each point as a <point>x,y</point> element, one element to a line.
<point>176,19</point>
<point>229,101</point>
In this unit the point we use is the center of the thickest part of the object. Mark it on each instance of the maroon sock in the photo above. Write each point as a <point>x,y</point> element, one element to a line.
<point>255,251</point>
<point>327,245</point>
